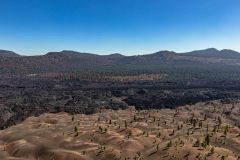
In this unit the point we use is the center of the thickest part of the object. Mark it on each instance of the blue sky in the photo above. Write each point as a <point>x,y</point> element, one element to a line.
<point>129,27</point>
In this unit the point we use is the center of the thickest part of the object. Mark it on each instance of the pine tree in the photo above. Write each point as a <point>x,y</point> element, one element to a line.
<point>75,129</point>
<point>134,118</point>
<point>157,147</point>
<point>207,139</point>
<point>169,144</point>
<point>197,143</point>
<point>125,123</point>
<point>212,150</point>
<point>223,158</point>
<point>225,130</point>
<point>215,129</point>
<point>205,117</point>
<point>219,121</point>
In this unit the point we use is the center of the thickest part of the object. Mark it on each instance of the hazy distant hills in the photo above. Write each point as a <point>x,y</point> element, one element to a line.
<point>5,53</point>
<point>67,61</point>
<point>212,52</point>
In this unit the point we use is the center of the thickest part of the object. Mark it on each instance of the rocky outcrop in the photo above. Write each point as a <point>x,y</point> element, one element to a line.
<point>22,98</point>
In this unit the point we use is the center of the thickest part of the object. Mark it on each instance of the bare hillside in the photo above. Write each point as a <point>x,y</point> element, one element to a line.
<point>203,131</point>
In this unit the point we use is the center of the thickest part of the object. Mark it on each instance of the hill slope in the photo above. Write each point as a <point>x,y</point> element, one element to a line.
<point>128,134</point>
<point>68,61</point>
<point>5,53</point>
<point>212,52</point>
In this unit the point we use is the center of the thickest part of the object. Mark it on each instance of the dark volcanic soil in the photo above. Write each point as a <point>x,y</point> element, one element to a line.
<point>21,98</point>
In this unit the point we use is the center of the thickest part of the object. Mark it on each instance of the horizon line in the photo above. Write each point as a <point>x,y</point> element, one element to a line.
<point>85,52</point>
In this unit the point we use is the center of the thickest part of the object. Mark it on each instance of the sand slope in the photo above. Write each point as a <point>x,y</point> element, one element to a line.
<point>128,134</point>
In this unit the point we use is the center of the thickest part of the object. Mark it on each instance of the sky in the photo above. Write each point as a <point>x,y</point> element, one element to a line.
<point>130,27</point>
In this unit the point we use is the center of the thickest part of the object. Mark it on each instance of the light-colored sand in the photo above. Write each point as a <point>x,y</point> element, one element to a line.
<point>127,134</point>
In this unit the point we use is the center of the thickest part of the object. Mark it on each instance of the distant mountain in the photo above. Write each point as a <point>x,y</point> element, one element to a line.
<point>5,53</point>
<point>68,61</point>
<point>149,59</point>
<point>71,54</point>
<point>214,53</point>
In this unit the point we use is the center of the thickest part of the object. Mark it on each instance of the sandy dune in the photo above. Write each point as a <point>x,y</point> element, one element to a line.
<point>128,134</point>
